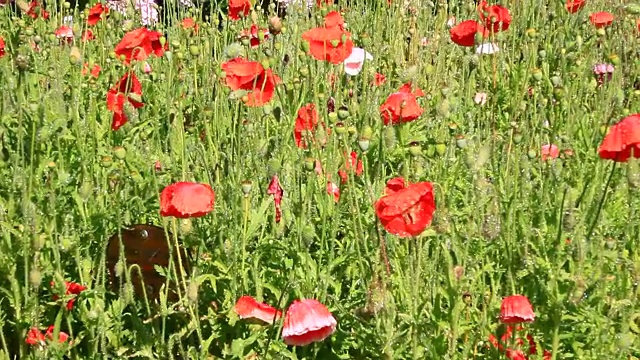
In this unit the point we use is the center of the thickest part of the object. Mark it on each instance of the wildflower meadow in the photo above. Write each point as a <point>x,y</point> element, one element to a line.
<point>370,179</point>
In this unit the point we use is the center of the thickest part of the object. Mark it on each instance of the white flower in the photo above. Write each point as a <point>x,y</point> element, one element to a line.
<point>480,98</point>
<point>451,22</point>
<point>67,20</point>
<point>353,64</point>
<point>487,49</point>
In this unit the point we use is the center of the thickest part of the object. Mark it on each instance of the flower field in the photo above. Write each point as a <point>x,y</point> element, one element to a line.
<point>374,179</point>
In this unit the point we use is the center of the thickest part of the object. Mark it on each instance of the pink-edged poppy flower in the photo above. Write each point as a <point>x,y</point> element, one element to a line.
<point>354,63</point>
<point>516,309</point>
<point>333,189</point>
<point>249,308</point>
<point>307,321</point>
<point>276,190</point>
<point>65,32</point>
<point>186,200</point>
<point>549,151</point>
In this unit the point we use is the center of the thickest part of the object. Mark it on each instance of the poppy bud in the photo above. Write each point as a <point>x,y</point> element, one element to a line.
<point>441,148</point>
<point>333,117</point>
<point>309,164</point>
<point>352,130</point>
<point>415,149</point>
<point>308,234</point>
<point>340,129</point>
<point>185,226</point>
<point>35,277</point>
<point>615,59</point>
<point>120,152</point>
<point>531,33</point>
<point>537,74</point>
<point>555,80</point>
<point>559,93</point>
<point>430,151</point>
<point>443,109</point>
<point>107,161</point>
<point>389,136</point>
<point>194,50</point>
<point>246,187</point>
<point>601,32</point>
<point>22,62</point>
<point>275,25</point>
<point>179,55</point>
<point>517,138</point>
<point>38,242</point>
<point>304,46</point>
<point>343,113</point>
<point>192,292</point>
<point>363,144</point>
<point>367,132</point>
<point>531,154</point>
<point>445,91</point>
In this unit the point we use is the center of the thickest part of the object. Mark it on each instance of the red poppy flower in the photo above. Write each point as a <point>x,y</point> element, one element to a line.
<point>128,89</point>
<point>242,74</point>
<point>464,34</point>
<point>379,79</point>
<point>401,106</point>
<point>516,352</point>
<point>573,6</point>
<point>237,7</point>
<point>333,189</point>
<point>305,125</point>
<point>186,199</point>
<point>638,24</point>
<point>95,14</point>
<point>36,10</point>
<point>190,23</point>
<point>516,309</point>
<point>320,3</point>
<point>139,44</point>
<point>62,336</point>
<point>95,70</point>
<point>34,337</point>
<point>406,209</point>
<point>248,308</point>
<point>601,19</point>
<point>334,19</point>
<point>549,151</point>
<point>276,190</point>
<point>329,44</point>
<point>1,47</point>
<point>495,17</point>
<point>307,321</point>
<point>65,32</point>
<point>255,35</point>
<point>408,88</point>
<point>622,141</point>
<point>71,288</point>
<point>88,35</point>
<point>352,164</point>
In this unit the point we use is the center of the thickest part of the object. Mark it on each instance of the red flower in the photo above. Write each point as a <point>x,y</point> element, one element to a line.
<point>401,106</point>
<point>320,3</point>
<point>128,89</point>
<point>276,190</point>
<point>237,7</point>
<point>516,309</point>
<point>464,34</point>
<point>1,47</point>
<point>254,35</point>
<point>638,24</point>
<point>34,337</point>
<point>330,44</point>
<point>65,32</point>
<point>518,343</point>
<point>307,321</point>
<point>189,23</point>
<point>622,141</point>
<point>62,336</point>
<point>88,35</point>
<point>334,19</point>
<point>549,151</point>
<point>139,44</point>
<point>250,76</point>
<point>333,189</point>
<point>305,126</point>
<point>352,164</point>
<point>36,10</point>
<point>601,19</point>
<point>71,288</point>
<point>186,200</point>
<point>248,308</point>
<point>95,14</point>
<point>406,209</point>
<point>379,79</point>
<point>495,17</point>
<point>573,6</point>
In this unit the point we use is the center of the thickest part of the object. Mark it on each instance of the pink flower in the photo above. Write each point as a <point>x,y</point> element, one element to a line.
<point>65,32</point>
<point>307,321</point>
<point>248,308</point>
<point>549,151</point>
<point>353,64</point>
<point>480,98</point>
<point>516,309</point>
<point>276,190</point>
<point>603,72</point>
<point>333,189</point>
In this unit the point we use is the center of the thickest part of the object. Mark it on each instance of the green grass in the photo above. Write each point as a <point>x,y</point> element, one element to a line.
<point>563,232</point>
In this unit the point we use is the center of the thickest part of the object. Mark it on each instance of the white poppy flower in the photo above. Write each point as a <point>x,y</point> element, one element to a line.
<point>353,64</point>
<point>487,49</point>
